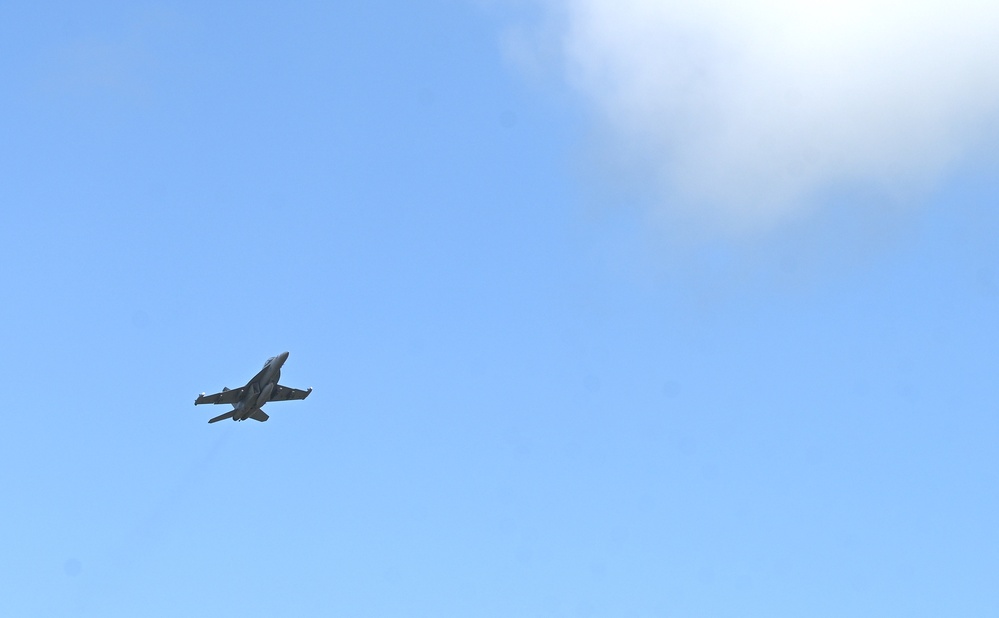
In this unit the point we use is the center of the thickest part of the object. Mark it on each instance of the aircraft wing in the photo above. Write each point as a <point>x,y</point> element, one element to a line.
<point>226,396</point>
<point>283,393</point>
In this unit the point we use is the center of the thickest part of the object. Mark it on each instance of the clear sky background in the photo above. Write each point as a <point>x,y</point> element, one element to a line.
<point>611,309</point>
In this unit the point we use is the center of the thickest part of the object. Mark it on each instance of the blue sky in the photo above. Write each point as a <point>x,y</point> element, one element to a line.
<point>551,379</point>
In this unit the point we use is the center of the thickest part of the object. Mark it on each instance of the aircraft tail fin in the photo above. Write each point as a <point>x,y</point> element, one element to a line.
<point>235,404</point>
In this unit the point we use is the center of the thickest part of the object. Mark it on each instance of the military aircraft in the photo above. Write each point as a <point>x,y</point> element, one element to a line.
<point>248,400</point>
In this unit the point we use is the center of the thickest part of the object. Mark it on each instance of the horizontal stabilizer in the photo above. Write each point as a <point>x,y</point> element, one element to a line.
<point>259,415</point>
<point>222,417</point>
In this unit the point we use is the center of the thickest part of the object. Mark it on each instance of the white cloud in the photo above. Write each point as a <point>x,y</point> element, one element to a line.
<point>747,112</point>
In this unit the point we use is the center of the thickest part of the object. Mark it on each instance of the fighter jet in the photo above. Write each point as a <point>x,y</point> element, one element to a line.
<point>248,400</point>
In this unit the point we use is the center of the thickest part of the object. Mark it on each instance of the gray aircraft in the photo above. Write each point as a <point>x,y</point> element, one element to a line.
<point>248,400</point>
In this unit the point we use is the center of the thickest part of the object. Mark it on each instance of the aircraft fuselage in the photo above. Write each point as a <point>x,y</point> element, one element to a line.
<point>259,388</point>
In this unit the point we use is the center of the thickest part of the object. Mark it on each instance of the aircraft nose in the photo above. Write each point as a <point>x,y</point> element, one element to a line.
<point>283,356</point>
